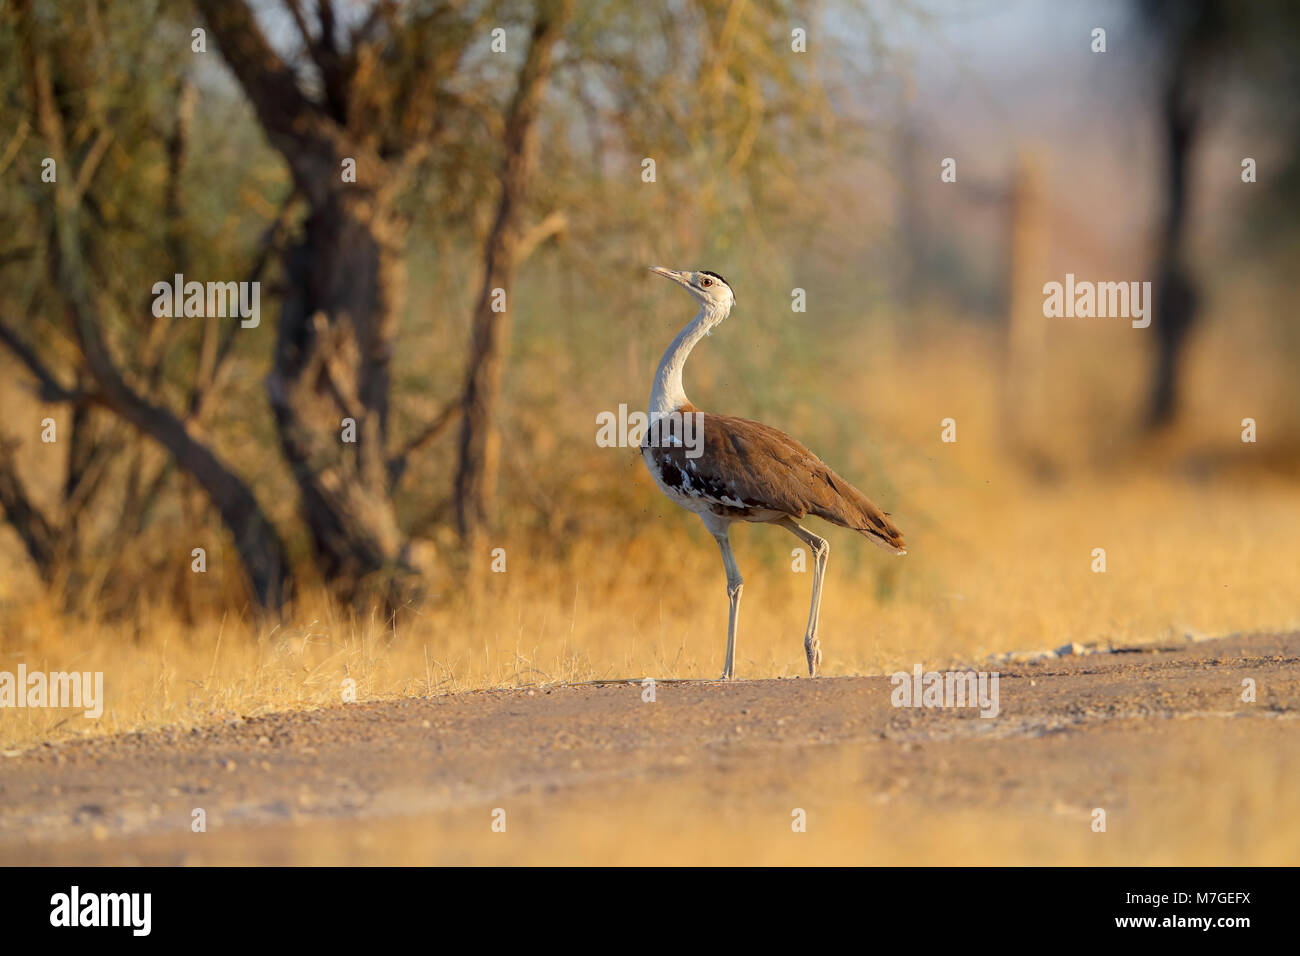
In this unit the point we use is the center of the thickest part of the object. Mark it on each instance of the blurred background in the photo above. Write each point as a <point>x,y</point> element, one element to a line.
<point>475,534</point>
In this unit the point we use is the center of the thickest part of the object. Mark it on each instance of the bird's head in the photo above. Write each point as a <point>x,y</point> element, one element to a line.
<point>709,289</point>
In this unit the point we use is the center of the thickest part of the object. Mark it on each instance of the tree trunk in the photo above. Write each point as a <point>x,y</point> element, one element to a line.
<point>256,540</point>
<point>334,345</point>
<point>332,363</point>
<point>479,440</point>
<point>38,535</point>
<point>1175,290</point>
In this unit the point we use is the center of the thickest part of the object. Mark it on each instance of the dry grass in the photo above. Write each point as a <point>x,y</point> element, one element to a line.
<point>1202,534</point>
<point>998,560</point>
<point>1180,559</point>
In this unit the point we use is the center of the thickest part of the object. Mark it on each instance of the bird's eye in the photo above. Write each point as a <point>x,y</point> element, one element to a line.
<point>706,281</point>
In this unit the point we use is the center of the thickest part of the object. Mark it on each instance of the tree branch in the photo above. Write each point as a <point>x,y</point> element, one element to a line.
<point>398,462</point>
<point>556,223</point>
<point>50,389</point>
<point>260,549</point>
<point>292,122</point>
<point>39,536</point>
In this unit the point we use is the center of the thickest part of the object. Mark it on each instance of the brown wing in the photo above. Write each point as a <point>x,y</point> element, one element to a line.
<point>746,464</point>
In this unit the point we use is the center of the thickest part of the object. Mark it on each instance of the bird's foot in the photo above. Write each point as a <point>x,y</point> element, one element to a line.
<point>812,647</point>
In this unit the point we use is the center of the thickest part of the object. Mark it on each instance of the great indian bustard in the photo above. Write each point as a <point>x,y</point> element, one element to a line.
<point>732,469</point>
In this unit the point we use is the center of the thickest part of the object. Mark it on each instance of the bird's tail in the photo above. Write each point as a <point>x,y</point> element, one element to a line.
<point>893,544</point>
<point>852,509</point>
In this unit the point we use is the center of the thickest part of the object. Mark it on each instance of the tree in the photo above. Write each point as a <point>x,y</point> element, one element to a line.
<point>1203,47</point>
<point>1188,34</point>
<point>715,92</point>
<point>380,118</point>
<point>378,109</point>
<point>505,246</point>
<point>100,376</point>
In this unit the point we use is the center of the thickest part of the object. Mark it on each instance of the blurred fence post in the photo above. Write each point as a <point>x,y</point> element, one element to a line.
<point>1026,330</point>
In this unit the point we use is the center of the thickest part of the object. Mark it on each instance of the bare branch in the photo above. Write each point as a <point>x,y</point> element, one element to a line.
<point>478,451</point>
<point>300,21</point>
<point>39,536</point>
<point>556,223</point>
<point>218,341</point>
<point>50,388</point>
<point>91,162</point>
<point>397,464</point>
<point>260,548</point>
<point>15,144</point>
<point>292,122</point>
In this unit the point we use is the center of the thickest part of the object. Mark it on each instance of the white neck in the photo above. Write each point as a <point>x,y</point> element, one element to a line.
<point>667,394</point>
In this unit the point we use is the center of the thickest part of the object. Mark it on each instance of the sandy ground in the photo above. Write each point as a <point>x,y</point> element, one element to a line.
<point>1159,738</point>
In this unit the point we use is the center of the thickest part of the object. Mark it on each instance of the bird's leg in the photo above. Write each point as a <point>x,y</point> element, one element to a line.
<point>735,584</point>
<point>821,549</point>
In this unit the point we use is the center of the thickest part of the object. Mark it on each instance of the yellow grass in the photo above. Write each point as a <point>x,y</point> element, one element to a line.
<point>658,608</point>
<point>1201,533</point>
<point>998,561</point>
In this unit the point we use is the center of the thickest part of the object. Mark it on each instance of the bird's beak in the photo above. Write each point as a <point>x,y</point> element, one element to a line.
<point>681,278</point>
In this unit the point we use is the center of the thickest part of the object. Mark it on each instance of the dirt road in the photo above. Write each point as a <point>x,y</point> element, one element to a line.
<point>1158,738</point>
